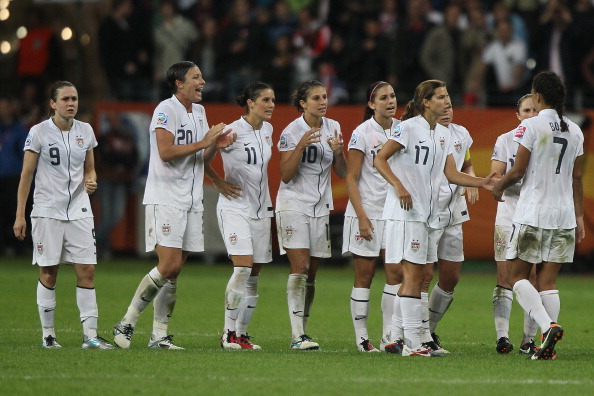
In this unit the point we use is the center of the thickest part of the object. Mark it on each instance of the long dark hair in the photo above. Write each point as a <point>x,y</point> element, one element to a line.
<point>178,71</point>
<point>425,90</point>
<point>302,91</point>
<point>371,94</point>
<point>54,92</point>
<point>251,92</point>
<point>550,86</point>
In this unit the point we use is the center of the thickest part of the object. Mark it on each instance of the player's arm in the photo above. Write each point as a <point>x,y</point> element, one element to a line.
<point>463,179</point>
<point>225,188</point>
<point>290,160</point>
<point>471,192</point>
<point>339,163</point>
<point>90,176</point>
<point>29,165</point>
<point>168,151</point>
<point>578,198</point>
<point>353,174</point>
<point>515,174</point>
<point>381,164</point>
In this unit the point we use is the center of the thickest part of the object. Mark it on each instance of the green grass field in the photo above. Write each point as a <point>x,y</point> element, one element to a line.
<point>467,331</point>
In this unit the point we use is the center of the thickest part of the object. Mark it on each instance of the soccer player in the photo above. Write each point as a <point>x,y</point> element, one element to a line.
<point>180,143</point>
<point>503,158</point>
<point>548,220</point>
<point>450,249</point>
<point>419,151</point>
<point>363,232</point>
<point>245,210</point>
<point>309,146</point>
<point>60,149</point>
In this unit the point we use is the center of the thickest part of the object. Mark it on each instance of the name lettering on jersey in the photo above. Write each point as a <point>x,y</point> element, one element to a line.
<point>415,245</point>
<point>283,142</point>
<point>458,147</point>
<point>28,141</point>
<point>396,132</point>
<point>166,229</point>
<point>80,142</point>
<point>353,140</point>
<point>520,131</point>
<point>162,119</point>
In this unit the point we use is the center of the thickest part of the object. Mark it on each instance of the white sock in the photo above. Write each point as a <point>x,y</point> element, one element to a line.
<point>552,303</point>
<point>359,312</point>
<point>530,300</point>
<point>411,320</point>
<point>46,305</point>
<point>163,307</point>
<point>439,302</point>
<point>310,292</point>
<point>86,300</point>
<point>145,293</point>
<point>250,299</point>
<point>530,328</point>
<point>396,329</point>
<point>387,306</point>
<point>234,295</point>
<point>502,304</point>
<point>425,333</point>
<point>296,300</point>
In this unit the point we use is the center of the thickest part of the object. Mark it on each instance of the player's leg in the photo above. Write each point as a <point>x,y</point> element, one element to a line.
<point>502,294</point>
<point>364,273</point>
<point>528,345</point>
<point>46,304</point>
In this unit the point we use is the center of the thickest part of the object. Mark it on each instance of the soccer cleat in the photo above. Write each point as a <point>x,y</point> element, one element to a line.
<point>229,341</point>
<point>528,348</point>
<point>122,335</point>
<point>504,346</point>
<point>304,343</point>
<point>96,343</point>
<point>422,351</point>
<point>365,346</point>
<point>394,347</point>
<point>50,342</point>
<point>245,343</point>
<point>435,348</point>
<point>383,344</point>
<point>163,343</point>
<point>549,338</point>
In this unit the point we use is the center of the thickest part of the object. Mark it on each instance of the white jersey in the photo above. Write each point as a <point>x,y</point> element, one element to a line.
<point>309,192</point>
<point>369,138</point>
<point>546,196</point>
<point>419,166</point>
<point>451,201</point>
<point>505,151</point>
<point>177,183</point>
<point>59,182</point>
<point>246,165</point>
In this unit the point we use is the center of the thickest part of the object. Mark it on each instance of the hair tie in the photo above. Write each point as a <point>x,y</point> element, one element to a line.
<point>373,90</point>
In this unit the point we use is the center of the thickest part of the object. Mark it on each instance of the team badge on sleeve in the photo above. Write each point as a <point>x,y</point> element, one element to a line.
<point>283,142</point>
<point>162,119</point>
<point>396,132</point>
<point>494,153</point>
<point>353,140</point>
<point>28,141</point>
<point>520,131</point>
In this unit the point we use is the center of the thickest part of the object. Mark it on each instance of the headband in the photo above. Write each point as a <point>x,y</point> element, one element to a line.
<point>373,90</point>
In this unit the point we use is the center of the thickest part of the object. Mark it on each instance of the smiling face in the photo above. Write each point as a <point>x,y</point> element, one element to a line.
<point>263,106</point>
<point>66,104</point>
<point>316,102</point>
<point>190,89</point>
<point>384,103</point>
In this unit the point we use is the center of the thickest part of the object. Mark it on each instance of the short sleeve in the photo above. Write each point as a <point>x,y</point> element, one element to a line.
<point>288,140</point>
<point>499,151</point>
<point>357,141</point>
<point>164,117</point>
<point>33,141</point>
<point>524,135</point>
<point>400,135</point>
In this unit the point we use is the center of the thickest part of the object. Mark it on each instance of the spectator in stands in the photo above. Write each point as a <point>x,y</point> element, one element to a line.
<point>206,52</point>
<point>284,21</point>
<point>310,39</point>
<point>279,70</point>
<point>12,139</point>
<point>472,44</point>
<point>499,12</point>
<point>173,38</point>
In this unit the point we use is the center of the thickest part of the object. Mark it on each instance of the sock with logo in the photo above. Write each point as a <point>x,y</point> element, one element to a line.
<point>439,302</point>
<point>46,305</point>
<point>145,293</point>
<point>248,305</point>
<point>359,312</point>
<point>296,301</point>
<point>531,301</point>
<point>163,307</point>
<point>234,295</point>
<point>412,313</point>
<point>387,306</point>
<point>502,304</point>
<point>86,300</point>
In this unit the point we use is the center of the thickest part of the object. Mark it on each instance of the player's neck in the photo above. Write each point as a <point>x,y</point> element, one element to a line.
<point>385,123</point>
<point>312,120</point>
<point>62,123</point>
<point>185,102</point>
<point>254,121</point>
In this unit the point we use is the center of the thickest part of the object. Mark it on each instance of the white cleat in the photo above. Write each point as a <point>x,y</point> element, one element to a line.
<point>163,343</point>
<point>122,335</point>
<point>96,343</point>
<point>50,342</point>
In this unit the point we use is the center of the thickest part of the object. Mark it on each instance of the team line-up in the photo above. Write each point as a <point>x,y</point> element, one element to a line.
<point>406,180</point>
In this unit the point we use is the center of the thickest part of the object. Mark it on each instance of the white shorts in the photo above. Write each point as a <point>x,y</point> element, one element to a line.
<point>500,241</point>
<point>451,245</point>
<point>412,241</point>
<point>63,241</point>
<point>298,231</point>
<point>353,242</point>
<point>244,236</point>
<point>172,227</point>
<point>536,245</point>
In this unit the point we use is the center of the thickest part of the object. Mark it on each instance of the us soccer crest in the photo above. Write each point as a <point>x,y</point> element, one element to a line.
<point>268,140</point>
<point>200,121</point>
<point>442,142</point>
<point>415,245</point>
<point>233,239</point>
<point>40,249</point>
<point>80,142</point>
<point>359,238</point>
<point>289,232</point>
<point>458,147</point>
<point>166,229</point>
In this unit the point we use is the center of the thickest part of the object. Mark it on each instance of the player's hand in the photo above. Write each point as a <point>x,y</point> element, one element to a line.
<point>366,228</point>
<point>225,139</point>
<point>472,194</point>
<point>228,190</point>
<point>336,143</point>
<point>489,181</point>
<point>310,137</point>
<point>580,231</point>
<point>90,186</point>
<point>211,136</point>
<point>403,196</point>
<point>498,192</point>
<point>20,228</point>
